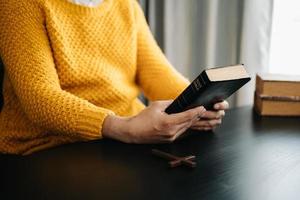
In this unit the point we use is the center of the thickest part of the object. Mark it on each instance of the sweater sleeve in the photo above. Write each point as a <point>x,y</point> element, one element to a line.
<point>155,75</point>
<point>29,64</point>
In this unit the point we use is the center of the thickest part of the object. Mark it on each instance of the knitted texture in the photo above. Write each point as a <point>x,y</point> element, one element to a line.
<point>68,66</point>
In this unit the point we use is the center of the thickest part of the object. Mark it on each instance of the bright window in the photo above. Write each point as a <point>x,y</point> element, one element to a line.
<point>285,38</point>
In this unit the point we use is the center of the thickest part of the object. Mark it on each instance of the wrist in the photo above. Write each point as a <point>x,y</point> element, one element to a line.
<point>115,127</point>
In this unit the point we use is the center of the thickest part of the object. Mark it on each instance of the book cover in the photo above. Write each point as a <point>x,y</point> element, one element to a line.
<point>211,86</point>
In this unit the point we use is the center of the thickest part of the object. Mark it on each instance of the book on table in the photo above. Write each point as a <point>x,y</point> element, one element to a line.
<point>277,95</point>
<point>211,86</point>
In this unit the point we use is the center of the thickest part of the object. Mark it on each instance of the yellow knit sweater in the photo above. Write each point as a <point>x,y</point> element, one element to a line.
<point>68,66</point>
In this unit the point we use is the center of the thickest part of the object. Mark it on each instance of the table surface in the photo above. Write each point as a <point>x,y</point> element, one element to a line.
<point>247,158</point>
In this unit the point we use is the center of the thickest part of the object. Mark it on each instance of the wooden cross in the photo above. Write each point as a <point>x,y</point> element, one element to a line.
<point>175,160</point>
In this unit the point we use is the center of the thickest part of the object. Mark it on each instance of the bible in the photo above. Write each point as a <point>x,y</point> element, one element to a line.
<point>211,86</point>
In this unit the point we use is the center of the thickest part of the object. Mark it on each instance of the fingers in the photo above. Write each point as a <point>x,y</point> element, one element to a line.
<point>206,124</point>
<point>170,127</point>
<point>203,125</point>
<point>186,116</point>
<point>210,123</point>
<point>208,128</point>
<point>174,129</point>
<point>214,114</point>
<point>219,111</point>
<point>221,106</point>
<point>179,132</point>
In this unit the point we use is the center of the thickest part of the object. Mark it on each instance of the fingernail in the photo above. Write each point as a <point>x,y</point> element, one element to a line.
<point>216,106</point>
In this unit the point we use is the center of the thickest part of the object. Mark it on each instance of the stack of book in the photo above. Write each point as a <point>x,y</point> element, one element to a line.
<point>277,95</point>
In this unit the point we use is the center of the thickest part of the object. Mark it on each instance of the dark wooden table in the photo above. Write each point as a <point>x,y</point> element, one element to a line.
<point>247,158</point>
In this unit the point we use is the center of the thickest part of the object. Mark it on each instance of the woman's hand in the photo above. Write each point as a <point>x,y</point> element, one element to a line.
<point>152,125</point>
<point>211,119</point>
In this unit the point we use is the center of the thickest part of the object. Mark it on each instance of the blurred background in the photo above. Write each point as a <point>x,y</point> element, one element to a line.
<point>196,34</point>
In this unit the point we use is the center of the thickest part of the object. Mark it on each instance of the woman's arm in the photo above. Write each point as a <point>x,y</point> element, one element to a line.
<point>29,64</point>
<point>155,75</point>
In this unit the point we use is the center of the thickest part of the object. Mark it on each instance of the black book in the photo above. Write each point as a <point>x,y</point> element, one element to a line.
<point>211,86</point>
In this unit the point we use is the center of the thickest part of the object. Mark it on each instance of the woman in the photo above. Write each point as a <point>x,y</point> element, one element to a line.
<point>73,72</point>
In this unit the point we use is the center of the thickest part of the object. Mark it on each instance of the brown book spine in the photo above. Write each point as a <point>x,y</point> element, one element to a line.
<point>257,103</point>
<point>259,84</point>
